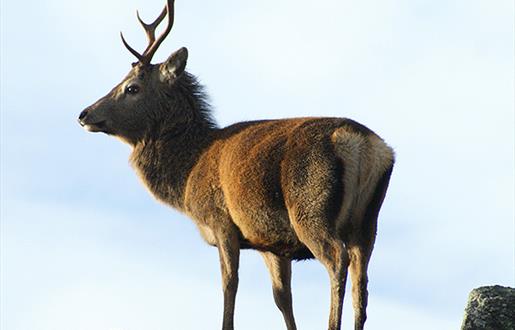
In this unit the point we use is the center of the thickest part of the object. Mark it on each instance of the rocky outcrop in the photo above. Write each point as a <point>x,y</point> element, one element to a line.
<point>490,308</point>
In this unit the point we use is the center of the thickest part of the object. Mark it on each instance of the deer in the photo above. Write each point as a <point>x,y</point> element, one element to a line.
<point>291,189</point>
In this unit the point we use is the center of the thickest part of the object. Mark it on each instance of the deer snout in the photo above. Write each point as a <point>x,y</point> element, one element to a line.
<point>83,116</point>
<point>90,120</point>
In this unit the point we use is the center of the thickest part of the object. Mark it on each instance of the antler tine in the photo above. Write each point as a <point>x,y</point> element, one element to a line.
<point>150,29</point>
<point>134,52</point>
<point>149,53</point>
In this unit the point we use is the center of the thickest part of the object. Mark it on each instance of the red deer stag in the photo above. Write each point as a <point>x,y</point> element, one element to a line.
<point>292,188</point>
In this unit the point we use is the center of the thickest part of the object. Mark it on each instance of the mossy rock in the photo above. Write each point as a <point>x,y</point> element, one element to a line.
<point>490,308</point>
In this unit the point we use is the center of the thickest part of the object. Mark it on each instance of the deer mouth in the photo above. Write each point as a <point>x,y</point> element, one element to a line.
<point>95,127</point>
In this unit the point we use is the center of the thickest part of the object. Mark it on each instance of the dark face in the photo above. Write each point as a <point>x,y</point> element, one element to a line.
<point>122,112</point>
<point>129,110</point>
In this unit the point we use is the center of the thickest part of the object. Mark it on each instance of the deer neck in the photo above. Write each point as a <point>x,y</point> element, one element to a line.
<point>164,164</point>
<point>170,150</point>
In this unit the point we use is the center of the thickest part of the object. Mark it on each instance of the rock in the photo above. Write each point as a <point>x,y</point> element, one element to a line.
<point>490,308</point>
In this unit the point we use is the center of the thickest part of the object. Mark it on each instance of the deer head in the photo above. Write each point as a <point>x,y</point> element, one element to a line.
<point>133,107</point>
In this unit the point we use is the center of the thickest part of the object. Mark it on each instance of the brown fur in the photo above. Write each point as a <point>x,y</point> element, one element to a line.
<point>291,189</point>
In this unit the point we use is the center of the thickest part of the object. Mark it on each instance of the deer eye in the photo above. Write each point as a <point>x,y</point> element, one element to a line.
<point>132,89</point>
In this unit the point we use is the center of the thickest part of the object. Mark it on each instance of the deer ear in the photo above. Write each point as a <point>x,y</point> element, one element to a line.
<point>174,66</point>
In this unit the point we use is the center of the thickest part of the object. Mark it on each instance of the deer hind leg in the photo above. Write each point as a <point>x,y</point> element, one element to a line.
<point>360,249</point>
<point>229,251</point>
<point>280,272</point>
<point>358,270</point>
<point>330,251</point>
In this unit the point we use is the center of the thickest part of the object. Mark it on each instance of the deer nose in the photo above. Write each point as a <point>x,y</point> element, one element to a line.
<point>82,115</point>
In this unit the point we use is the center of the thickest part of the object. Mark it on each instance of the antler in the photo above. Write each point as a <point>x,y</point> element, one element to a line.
<point>150,30</point>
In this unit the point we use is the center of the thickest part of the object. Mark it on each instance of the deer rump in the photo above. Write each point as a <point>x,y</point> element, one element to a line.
<point>265,177</point>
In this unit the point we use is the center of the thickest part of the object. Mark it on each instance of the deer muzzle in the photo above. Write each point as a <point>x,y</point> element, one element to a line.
<point>91,124</point>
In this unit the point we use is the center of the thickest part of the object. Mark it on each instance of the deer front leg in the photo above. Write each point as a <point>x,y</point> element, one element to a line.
<point>229,250</point>
<point>280,272</point>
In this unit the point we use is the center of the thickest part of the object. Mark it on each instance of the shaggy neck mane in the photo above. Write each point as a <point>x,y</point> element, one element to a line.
<point>167,154</point>
<point>187,106</point>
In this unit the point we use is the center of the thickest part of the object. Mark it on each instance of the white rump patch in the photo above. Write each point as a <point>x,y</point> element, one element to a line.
<point>365,160</point>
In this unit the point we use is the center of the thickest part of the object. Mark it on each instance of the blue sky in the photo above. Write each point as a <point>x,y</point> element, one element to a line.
<point>83,245</point>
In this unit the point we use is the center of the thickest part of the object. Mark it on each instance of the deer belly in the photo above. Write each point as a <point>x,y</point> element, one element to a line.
<point>271,232</point>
